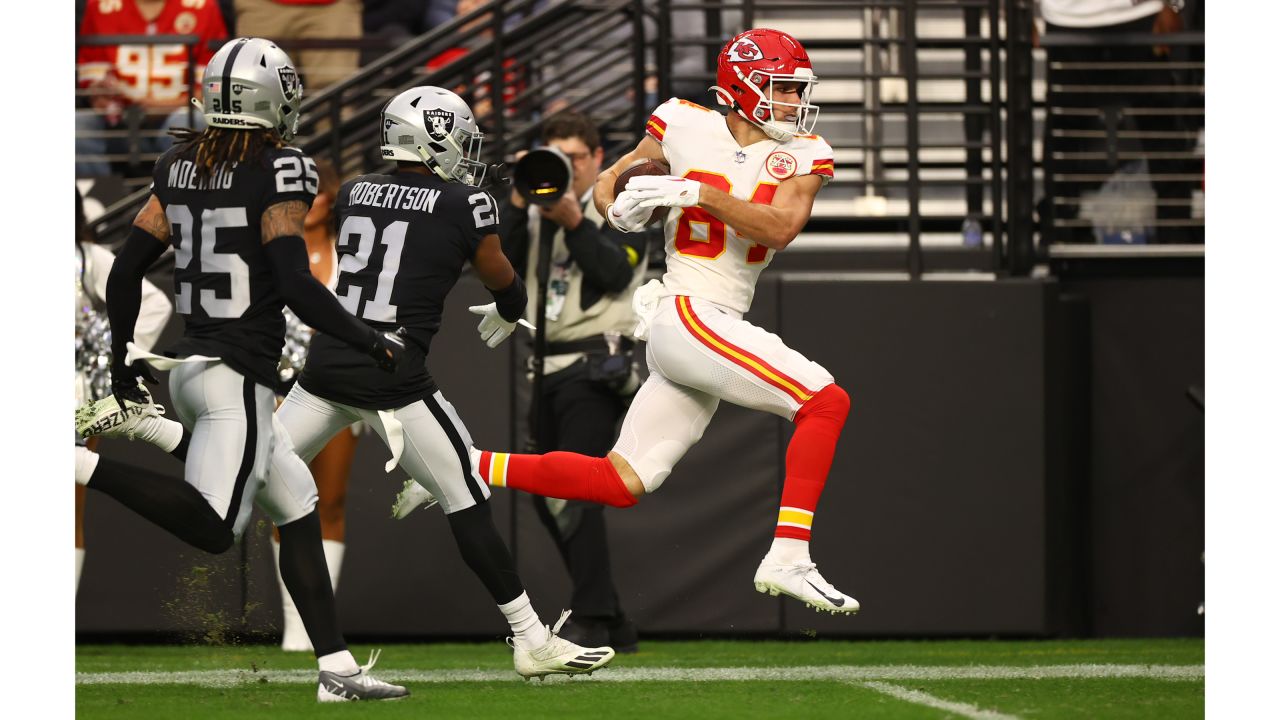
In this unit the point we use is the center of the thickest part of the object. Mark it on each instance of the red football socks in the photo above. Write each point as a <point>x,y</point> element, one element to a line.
<point>809,456</point>
<point>564,475</point>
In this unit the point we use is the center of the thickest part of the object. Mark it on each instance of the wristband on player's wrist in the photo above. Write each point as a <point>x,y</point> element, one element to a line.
<point>510,300</point>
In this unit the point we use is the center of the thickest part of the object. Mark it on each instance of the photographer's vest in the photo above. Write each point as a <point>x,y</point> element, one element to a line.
<point>566,318</point>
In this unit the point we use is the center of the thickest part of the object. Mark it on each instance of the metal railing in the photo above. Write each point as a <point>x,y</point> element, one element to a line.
<point>132,117</point>
<point>927,103</point>
<point>1121,159</point>
<point>909,162</point>
<point>520,58</point>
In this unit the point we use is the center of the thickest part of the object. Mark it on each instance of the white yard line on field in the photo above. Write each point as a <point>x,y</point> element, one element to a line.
<point>921,698</point>
<point>835,673</point>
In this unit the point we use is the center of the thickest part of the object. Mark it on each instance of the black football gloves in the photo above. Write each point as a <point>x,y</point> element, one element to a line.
<point>388,349</point>
<point>124,382</point>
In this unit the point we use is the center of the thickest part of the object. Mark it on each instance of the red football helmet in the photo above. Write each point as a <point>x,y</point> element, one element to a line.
<point>746,71</point>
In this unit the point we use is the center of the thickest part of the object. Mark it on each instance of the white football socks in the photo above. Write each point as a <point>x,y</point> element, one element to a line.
<point>530,633</point>
<point>86,463</point>
<point>79,566</point>
<point>341,662</point>
<point>162,432</point>
<point>788,551</point>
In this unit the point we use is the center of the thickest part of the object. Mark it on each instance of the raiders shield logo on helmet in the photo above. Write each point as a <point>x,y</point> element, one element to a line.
<point>289,84</point>
<point>745,50</point>
<point>439,123</point>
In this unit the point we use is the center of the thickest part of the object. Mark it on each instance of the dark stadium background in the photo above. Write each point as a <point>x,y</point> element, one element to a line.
<point>1025,452</point>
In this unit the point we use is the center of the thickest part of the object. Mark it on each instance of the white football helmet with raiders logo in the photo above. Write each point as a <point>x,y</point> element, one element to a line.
<point>434,126</point>
<point>251,83</point>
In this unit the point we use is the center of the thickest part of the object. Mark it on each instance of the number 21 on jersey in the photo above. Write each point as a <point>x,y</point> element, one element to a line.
<point>360,231</point>
<point>687,243</point>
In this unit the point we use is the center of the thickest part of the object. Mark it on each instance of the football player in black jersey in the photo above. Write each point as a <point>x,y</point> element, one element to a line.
<point>403,240</point>
<point>231,200</point>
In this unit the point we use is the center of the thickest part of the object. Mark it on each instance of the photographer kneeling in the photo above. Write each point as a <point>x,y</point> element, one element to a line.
<point>588,371</point>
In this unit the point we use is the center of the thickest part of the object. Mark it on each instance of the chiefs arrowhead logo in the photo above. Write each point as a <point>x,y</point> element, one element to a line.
<point>780,165</point>
<point>745,50</point>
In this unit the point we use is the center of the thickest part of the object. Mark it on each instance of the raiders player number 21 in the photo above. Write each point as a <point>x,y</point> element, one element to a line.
<point>403,240</point>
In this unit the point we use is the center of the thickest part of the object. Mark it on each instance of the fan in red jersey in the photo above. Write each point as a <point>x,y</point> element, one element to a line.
<point>149,77</point>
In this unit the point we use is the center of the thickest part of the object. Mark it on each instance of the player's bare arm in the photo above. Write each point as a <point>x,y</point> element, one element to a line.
<point>646,149</point>
<point>774,225</point>
<point>283,219</point>
<point>152,219</point>
<point>499,318</point>
<point>491,264</point>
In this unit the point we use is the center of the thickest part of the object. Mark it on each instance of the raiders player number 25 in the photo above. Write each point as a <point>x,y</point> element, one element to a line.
<point>231,200</point>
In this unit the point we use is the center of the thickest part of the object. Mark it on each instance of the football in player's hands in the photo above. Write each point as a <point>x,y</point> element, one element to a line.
<point>644,167</point>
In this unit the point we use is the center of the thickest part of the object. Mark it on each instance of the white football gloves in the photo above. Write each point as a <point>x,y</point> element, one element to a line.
<point>645,304</point>
<point>664,191</point>
<point>626,215</point>
<point>493,329</point>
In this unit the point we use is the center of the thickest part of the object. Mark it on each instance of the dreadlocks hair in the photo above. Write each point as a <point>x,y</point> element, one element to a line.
<point>213,146</point>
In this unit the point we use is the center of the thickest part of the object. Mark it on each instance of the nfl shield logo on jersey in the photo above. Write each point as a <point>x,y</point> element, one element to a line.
<point>780,165</point>
<point>439,123</point>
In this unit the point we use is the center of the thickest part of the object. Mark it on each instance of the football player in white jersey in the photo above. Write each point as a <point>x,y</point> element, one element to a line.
<point>741,187</point>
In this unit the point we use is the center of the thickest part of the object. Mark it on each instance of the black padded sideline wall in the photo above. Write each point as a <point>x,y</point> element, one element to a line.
<point>937,514</point>
<point>1145,499</point>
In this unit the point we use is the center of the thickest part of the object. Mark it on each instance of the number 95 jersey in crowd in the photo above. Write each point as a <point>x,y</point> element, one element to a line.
<point>403,240</point>
<point>222,283</point>
<point>705,257</point>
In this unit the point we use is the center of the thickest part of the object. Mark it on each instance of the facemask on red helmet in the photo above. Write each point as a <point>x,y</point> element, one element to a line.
<point>754,70</point>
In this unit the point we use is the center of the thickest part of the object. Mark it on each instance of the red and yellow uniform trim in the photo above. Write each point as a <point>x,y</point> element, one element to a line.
<point>795,517</point>
<point>656,127</point>
<point>737,355</point>
<point>826,166</point>
<point>495,471</point>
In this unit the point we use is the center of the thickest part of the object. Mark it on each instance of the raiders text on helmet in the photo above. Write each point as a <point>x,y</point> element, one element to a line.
<point>749,68</point>
<point>252,83</point>
<point>434,126</point>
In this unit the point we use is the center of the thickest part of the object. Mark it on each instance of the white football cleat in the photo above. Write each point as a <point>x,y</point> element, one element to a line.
<point>104,418</point>
<point>359,686</point>
<point>559,656</point>
<point>802,582</point>
<point>411,497</point>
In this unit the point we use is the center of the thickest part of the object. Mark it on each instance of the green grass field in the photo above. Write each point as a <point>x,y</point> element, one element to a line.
<point>703,679</point>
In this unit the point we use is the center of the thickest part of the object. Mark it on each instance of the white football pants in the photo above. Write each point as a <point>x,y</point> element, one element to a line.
<point>234,439</point>
<point>700,353</point>
<point>436,443</point>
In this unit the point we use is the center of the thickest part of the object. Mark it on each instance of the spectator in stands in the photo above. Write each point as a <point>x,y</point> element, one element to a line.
<point>439,12</point>
<point>138,86</point>
<point>1118,92</point>
<point>394,21</point>
<point>476,90</point>
<point>282,20</point>
<point>589,378</point>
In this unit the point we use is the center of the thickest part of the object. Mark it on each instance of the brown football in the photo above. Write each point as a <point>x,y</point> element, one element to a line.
<point>644,167</point>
